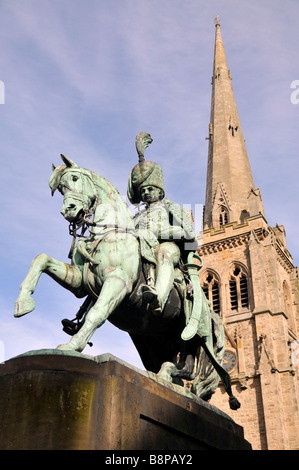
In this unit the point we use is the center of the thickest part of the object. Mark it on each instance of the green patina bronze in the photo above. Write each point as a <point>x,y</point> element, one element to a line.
<point>138,272</point>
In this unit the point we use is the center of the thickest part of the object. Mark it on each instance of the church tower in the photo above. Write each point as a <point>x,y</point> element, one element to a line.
<point>250,279</point>
<point>230,190</point>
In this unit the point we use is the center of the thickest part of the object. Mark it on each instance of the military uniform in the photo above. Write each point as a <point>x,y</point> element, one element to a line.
<point>162,226</point>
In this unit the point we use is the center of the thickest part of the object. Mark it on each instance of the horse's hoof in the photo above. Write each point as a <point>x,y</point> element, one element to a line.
<point>24,306</point>
<point>166,370</point>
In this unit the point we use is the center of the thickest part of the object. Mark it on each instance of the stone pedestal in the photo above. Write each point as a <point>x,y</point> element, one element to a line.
<point>53,400</point>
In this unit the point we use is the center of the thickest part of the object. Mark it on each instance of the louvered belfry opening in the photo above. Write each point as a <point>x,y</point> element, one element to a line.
<point>238,289</point>
<point>211,290</point>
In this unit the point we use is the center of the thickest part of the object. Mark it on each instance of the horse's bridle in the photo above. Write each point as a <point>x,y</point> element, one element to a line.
<point>83,221</point>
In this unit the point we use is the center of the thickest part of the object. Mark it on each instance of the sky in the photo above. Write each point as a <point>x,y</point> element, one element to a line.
<point>83,77</point>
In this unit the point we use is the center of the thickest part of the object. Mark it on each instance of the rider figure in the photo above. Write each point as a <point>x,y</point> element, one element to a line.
<point>163,227</point>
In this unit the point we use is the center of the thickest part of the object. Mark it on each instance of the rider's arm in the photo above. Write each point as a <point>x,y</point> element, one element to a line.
<point>171,232</point>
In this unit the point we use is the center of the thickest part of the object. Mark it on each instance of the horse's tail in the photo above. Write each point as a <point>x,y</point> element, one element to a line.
<point>209,365</point>
<point>207,378</point>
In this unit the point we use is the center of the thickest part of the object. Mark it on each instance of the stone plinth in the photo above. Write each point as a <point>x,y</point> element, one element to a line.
<point>52,400</point>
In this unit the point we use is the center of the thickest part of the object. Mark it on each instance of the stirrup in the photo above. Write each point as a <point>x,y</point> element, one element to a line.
<point>150,297</point>
<point>149,294</point>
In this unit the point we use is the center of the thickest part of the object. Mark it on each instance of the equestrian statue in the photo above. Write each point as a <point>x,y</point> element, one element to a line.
<point>140,273</point>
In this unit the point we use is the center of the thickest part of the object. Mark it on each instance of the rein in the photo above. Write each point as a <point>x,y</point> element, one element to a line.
<point>74,226</point>
<point>85,223</point>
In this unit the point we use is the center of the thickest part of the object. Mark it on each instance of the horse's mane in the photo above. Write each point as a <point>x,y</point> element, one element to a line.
<point>102,184</point>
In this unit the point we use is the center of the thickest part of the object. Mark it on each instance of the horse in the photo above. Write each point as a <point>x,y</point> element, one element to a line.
<point>107,270</point>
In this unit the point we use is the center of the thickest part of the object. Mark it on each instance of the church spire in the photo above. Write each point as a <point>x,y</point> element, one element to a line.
<point>230,192</point>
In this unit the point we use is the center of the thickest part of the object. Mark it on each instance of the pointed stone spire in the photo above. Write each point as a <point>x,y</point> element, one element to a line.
<point>230,192</point>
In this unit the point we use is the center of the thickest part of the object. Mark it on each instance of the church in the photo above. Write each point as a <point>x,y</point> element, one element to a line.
<point>250,279</point>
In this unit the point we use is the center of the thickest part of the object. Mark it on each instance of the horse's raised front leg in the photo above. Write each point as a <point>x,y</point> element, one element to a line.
<point>114,290</point>
<point>66,275</point>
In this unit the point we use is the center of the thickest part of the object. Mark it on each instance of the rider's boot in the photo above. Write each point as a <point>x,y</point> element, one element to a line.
<point>167,257</point>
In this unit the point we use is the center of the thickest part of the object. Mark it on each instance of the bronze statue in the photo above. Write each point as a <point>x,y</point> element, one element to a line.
<point>114,267</point>
<point>163,228</point>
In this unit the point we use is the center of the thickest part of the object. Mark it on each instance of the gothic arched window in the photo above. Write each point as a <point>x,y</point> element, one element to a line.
<point>238,289</point>
<point>223,216</point>
<point>210,286</point>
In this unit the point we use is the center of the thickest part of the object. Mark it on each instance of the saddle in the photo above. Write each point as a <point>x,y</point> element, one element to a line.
<point>182,295</point>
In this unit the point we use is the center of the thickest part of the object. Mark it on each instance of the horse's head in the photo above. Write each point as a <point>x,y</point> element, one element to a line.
<point>77,187</point>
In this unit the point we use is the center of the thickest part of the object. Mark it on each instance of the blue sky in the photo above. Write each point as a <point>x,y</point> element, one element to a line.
<point>83,77</point>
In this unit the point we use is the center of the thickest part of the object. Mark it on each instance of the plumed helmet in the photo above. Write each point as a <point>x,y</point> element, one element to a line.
<point>145,173</point>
